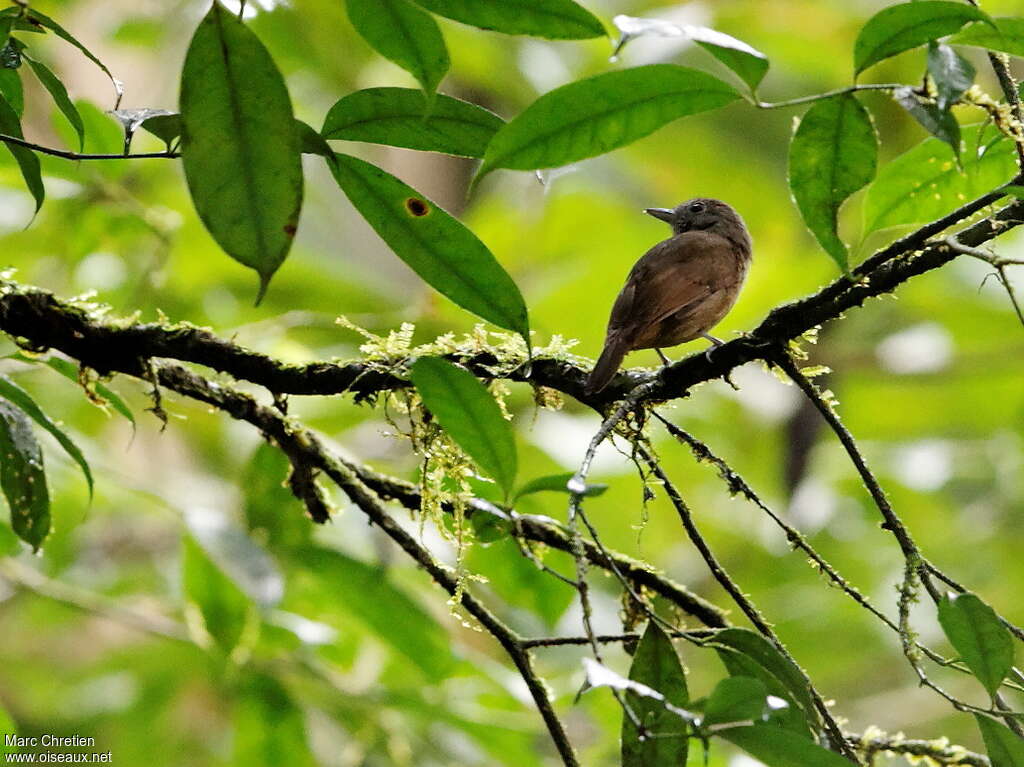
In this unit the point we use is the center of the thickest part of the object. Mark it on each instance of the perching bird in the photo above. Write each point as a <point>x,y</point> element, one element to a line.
<point>680,288</point>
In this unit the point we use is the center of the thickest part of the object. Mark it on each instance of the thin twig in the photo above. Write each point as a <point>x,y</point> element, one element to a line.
<point>63,153</point>
<point>828,95</point>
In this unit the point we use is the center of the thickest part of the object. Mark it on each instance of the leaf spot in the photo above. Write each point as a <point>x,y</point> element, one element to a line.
<point>417,207</point>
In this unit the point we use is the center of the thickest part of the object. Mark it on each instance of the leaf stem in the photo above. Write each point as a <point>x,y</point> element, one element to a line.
<point>827,95</point>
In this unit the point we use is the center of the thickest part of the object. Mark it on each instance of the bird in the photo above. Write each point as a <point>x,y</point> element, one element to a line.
<point>680,288</point>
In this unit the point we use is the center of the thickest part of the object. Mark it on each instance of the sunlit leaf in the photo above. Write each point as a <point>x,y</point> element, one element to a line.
<point>939,122</point>
<point>952,73</point>
<point>923,183</point>
<point>239,146</point>
<point>833,154</point>
<point>558,483</point>
<point>22,476</point>
<point>438,247</point>
<point>656,665</point>
<point>979,638</point>
<point>777,747</point>
<point>553,19</point>
<point>469,415</point>
<point>26,158</point>
<point>1005,748</point>
<point>400,117</point>
<point>60,97</point>
<point>1007,36</point>
<point>225,610</point>
<point>405,34</point>
<point>901,27</point>
<point>21,398</point>
<point>598,114</point>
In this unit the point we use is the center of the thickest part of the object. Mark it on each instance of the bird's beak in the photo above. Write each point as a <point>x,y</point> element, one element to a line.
<point>664,214</point>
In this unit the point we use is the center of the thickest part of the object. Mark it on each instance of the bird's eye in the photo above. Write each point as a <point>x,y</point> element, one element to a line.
<point>697,207</point>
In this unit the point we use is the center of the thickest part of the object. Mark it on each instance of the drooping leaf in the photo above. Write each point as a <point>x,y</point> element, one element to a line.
<point>901,27</point>
<point>22,476</point>
<point>70,371</point>
<point>598,114</point>
<point>952,73</point>
<point>21,398</point>
<point>438,247</point>
<point>269,727</point>
<point>166,127</point>
<point>469,415</point>
<point>404,33</point>
<point>1007,36</point>
<point>558,483</point>
<point>399,117</point>
<point>1005,748</point>
<point>26,158</point>
<point>551,19</point>
<point>924,184</point>
<point>239,146</point>
<point>225,609</point>
<point>312,142</point>
<point>939,122</point>
<point>833,154</point>
<point>60,97</point>
<point>11,90</point>
<point>747,62</point>
<point>777,747</point>
<point>656,665</point>
<point>979,638</point>
<point>34,17</point>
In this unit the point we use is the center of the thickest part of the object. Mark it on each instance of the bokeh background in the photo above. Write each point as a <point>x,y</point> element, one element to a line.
<point>363,664</point>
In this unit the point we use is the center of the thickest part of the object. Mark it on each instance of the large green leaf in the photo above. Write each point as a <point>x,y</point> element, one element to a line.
<point>924,184</point>
<point>21,398</point>
<point>1007,36</point>
<point>792,717</point>
<point>737,699</point>
<point>553,19</point>
<point>225,610</point>
<point>952,73</point>
<point>405,34</point>
<point>438,247</point>
<point>469,415</point>
<point>26,158</point>
<point>22,476</point>
<point>239,146</point>
<point>979,638</point>
<point>60,97</point>
<point>656,664</point>
<point>901,27</point>
<point>596,115</point>
<point>400,117</point>
<point>833,154</point>
<point>777,747</point>
<point>1005,748</point>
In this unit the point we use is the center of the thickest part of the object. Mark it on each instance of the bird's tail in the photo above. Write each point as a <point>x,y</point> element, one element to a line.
<point>607,365</point>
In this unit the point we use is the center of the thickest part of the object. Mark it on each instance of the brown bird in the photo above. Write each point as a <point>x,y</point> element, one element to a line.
<point>680,288</point>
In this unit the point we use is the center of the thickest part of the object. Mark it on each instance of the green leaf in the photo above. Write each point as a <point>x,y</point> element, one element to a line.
<point>737,699</point>
<point>439,248</point>
<point>747,62</point>
<point>952,73</point>
<point>272,513</point>
<point>792,716</point>
<point>269,727</point>
<point>399,117</point>
<point>551,19</point>
<point>833,154</point>
<point>21,398</point>
<point>11,90</point>
<point>312,142</point>
<point>60,97</point>
<point>558,483</point>
<point>22,477</point>
<point>777,747</point>
<point>225,609</point>
<point>239,146</point>
<point>70,371</point>
<point>656,665</point>
<point>924,184</point>
<point>38,19</point>
<point>1014,191</point>
<point>1007,36</point>
<point>26,158</point>
<point>7,726</point>
<point>596,115</point>
<point>469,415</point>
<point>762,652</point>
<point>940,123</point>
<point>901,27</point>
<point>405,34</point>
<point>1005,748</point>
<point>979,637</point>
<point>165,127</point>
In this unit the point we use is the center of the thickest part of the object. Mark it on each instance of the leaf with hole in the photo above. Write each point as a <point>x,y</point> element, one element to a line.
<point>979,638</point>
<point>405,34</point>
<point>239,146</point>
<point>656,665</point>
<point>1007,36</point>
<point>833,154</point>
<point>899,28</point>
<point>400,117</point>
<point>601,113</point>
<point>552,19</point>
<point>22,477</point>
<point>438,247</point>
<point>469,415</point>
